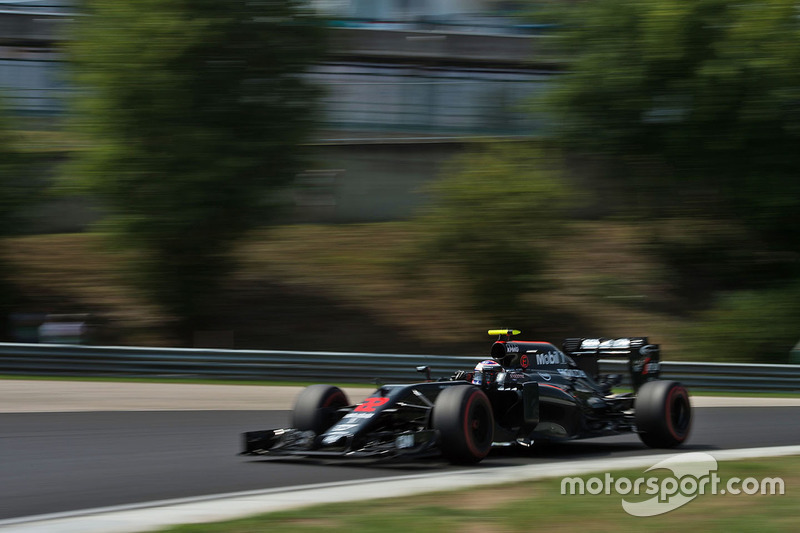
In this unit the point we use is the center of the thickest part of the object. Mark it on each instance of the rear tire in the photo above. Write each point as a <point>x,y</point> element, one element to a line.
<point>316,408</point>
<point>463,416</point>
<point>663,414</point>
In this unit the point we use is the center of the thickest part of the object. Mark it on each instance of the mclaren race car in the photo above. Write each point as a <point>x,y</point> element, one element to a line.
<point>524,392</point>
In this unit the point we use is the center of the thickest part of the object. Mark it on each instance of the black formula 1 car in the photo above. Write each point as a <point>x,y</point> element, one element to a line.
<point>525,392</point>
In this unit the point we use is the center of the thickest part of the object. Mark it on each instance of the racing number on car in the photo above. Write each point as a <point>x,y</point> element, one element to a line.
<point>370,404</point>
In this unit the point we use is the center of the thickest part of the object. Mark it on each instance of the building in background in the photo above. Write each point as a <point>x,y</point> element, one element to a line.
<point>409,84</point>
<point>31,74</point>
<point>408,11</point>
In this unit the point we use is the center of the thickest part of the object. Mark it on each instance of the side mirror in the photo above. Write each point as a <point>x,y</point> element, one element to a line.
<point>425,370</point>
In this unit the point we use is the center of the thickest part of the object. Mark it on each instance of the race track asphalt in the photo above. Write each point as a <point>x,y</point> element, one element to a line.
<point>53,462</point>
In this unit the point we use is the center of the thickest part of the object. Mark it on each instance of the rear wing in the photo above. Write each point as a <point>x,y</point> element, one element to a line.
<point>643,357</point>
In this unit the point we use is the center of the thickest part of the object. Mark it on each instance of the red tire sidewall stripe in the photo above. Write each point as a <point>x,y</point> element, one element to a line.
<point>467,429</point>
<point>332,398</point>
<point>670,425</point>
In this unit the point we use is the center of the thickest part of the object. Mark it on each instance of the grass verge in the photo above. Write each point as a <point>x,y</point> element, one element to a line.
<point>539,505</point>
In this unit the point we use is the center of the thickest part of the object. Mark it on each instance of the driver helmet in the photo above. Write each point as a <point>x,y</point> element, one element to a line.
<point>486,373</point>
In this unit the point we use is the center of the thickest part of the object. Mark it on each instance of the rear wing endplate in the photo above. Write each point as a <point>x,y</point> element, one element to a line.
<point>643,357</point>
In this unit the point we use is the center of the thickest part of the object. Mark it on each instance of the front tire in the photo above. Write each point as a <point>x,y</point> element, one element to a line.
<point>663,414</point>
<point>463,416</point>
<point>316,408</point>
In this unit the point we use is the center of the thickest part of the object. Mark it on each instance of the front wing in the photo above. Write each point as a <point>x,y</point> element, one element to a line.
<point>293,442</point>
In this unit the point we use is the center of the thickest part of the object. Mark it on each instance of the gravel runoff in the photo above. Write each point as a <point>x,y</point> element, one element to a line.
<point>30,396</point>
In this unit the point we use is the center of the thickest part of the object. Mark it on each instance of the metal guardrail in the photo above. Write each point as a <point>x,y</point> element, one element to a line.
<point>730,377</point>
<point>278,365</point>
<point>274,365</point>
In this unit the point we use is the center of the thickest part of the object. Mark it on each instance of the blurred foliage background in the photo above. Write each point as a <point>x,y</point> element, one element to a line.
<point>193,114</point>
<point>661,198</point>
<point>492,216</point>
<point>691,109</point>
<point>17,172</point>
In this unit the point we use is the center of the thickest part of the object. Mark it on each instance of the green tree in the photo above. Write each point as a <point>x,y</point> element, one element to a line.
<point>693,110</point>
<point>488,219</point>
<point>694,104</point>
<point>749,326</point>
<point>14,174</point>
<point>193,112</point>
<point>16,192</point>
